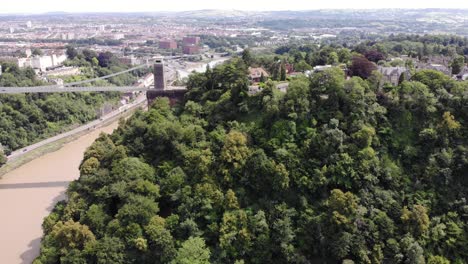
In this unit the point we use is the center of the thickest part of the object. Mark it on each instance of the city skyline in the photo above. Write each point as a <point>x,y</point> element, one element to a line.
<point>35,7</point>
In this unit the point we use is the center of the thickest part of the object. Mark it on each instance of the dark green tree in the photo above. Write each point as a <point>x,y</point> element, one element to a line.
<point>71,52</point>
<point>3,158</point>
<point>457,64</point>
<point>247,57</point>
<point>282,72</point>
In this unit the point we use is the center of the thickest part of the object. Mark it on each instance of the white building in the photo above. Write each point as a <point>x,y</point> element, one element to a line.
<point>118,36</point>
<point>320,68</point>
<point>28,52</point>
<point>68,36</point>
<point>42,62</point>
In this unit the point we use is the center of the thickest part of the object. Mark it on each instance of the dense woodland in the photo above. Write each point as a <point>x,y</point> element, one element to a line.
<point>333,171</point>
<point>28,118</point>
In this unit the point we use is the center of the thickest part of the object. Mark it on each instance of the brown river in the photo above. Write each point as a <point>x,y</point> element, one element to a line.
<point>29,193</point>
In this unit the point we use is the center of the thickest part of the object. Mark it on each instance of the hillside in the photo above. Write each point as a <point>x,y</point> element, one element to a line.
<point>28,118</point>
<point>333,171</point>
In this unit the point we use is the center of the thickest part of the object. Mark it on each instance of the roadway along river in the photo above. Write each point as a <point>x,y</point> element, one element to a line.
<point>29,193</point>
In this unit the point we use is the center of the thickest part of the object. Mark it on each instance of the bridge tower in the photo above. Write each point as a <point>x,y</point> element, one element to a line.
<point>175,94</point>
<point>159,75</point>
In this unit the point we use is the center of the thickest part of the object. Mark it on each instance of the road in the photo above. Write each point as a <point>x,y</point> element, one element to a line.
<point>139,101</point>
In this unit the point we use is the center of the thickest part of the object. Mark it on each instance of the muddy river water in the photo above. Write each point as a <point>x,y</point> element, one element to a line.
<point>29,193</point>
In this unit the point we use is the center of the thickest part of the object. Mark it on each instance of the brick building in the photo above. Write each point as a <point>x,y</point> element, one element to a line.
<point>167,44</point>
<point>191,49</point>
<point>191,41</point>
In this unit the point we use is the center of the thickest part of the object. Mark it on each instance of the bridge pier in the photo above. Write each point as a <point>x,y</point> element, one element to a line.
<point>175,95</point>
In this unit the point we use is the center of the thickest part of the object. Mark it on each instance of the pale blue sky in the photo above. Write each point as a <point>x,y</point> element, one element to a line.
<point>40,6</point>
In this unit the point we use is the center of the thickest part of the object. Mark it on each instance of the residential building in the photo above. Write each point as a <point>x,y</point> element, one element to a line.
<point>130,60</point>
<point>289,68</point>
<point>167,44</point>
<point>392,74</point>
<point>68,36</point>
<point>118,36</point>
<point>42,62</point>
<point>254,89</point>
<point>191,49</point>
<point>439,67</point>
<point>320,68</point>
<point>437,63</point>
<point>146,81</point>
<point>191,41</point>
<point>255,74</point>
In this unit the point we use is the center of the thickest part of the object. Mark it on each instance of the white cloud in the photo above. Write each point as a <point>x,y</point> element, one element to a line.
<point>35,6</point>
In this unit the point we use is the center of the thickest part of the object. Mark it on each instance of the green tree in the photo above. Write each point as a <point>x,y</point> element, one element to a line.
<point>344,55</point>
<point>132,169</point>
<point>97,219</point>
<point>417,218</point>
<point>90,166</point>
<point>457,64</point>
<point>437,260</point>
<point>296,100</point>
<point>193,251</point>
<point>109,250</point>
<point>235,149</point>
<point>71,52</point>
<point>235,238</point>
<point>160,239</point>
<point>3,158</point>
<point>95,61</point>
<point>343,206</point>
<point>282,72</point>
<point>332,58</point>
<point>138,209</point>
<point>37,52</point>
<point>247,57</point>
<point>263,78</point>
<point>302,66</point>
<point>106,59</point>
<point>72,235</point>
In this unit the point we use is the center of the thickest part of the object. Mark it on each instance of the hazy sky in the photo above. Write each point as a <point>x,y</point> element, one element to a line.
<point>40,6</point>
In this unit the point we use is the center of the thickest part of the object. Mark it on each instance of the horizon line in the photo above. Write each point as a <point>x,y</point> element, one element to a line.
<point>238,10</point>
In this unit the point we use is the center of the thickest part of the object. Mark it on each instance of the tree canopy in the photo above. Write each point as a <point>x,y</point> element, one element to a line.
<point>333,171</point>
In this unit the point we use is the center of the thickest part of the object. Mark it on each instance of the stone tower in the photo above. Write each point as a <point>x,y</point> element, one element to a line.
<point>159,77</point>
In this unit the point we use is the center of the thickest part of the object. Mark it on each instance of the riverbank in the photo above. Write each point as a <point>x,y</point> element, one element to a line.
<point>29,153</point>
<point>29,192</point>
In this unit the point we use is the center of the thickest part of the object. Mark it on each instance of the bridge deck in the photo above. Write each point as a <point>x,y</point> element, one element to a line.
<point>58,89</point>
